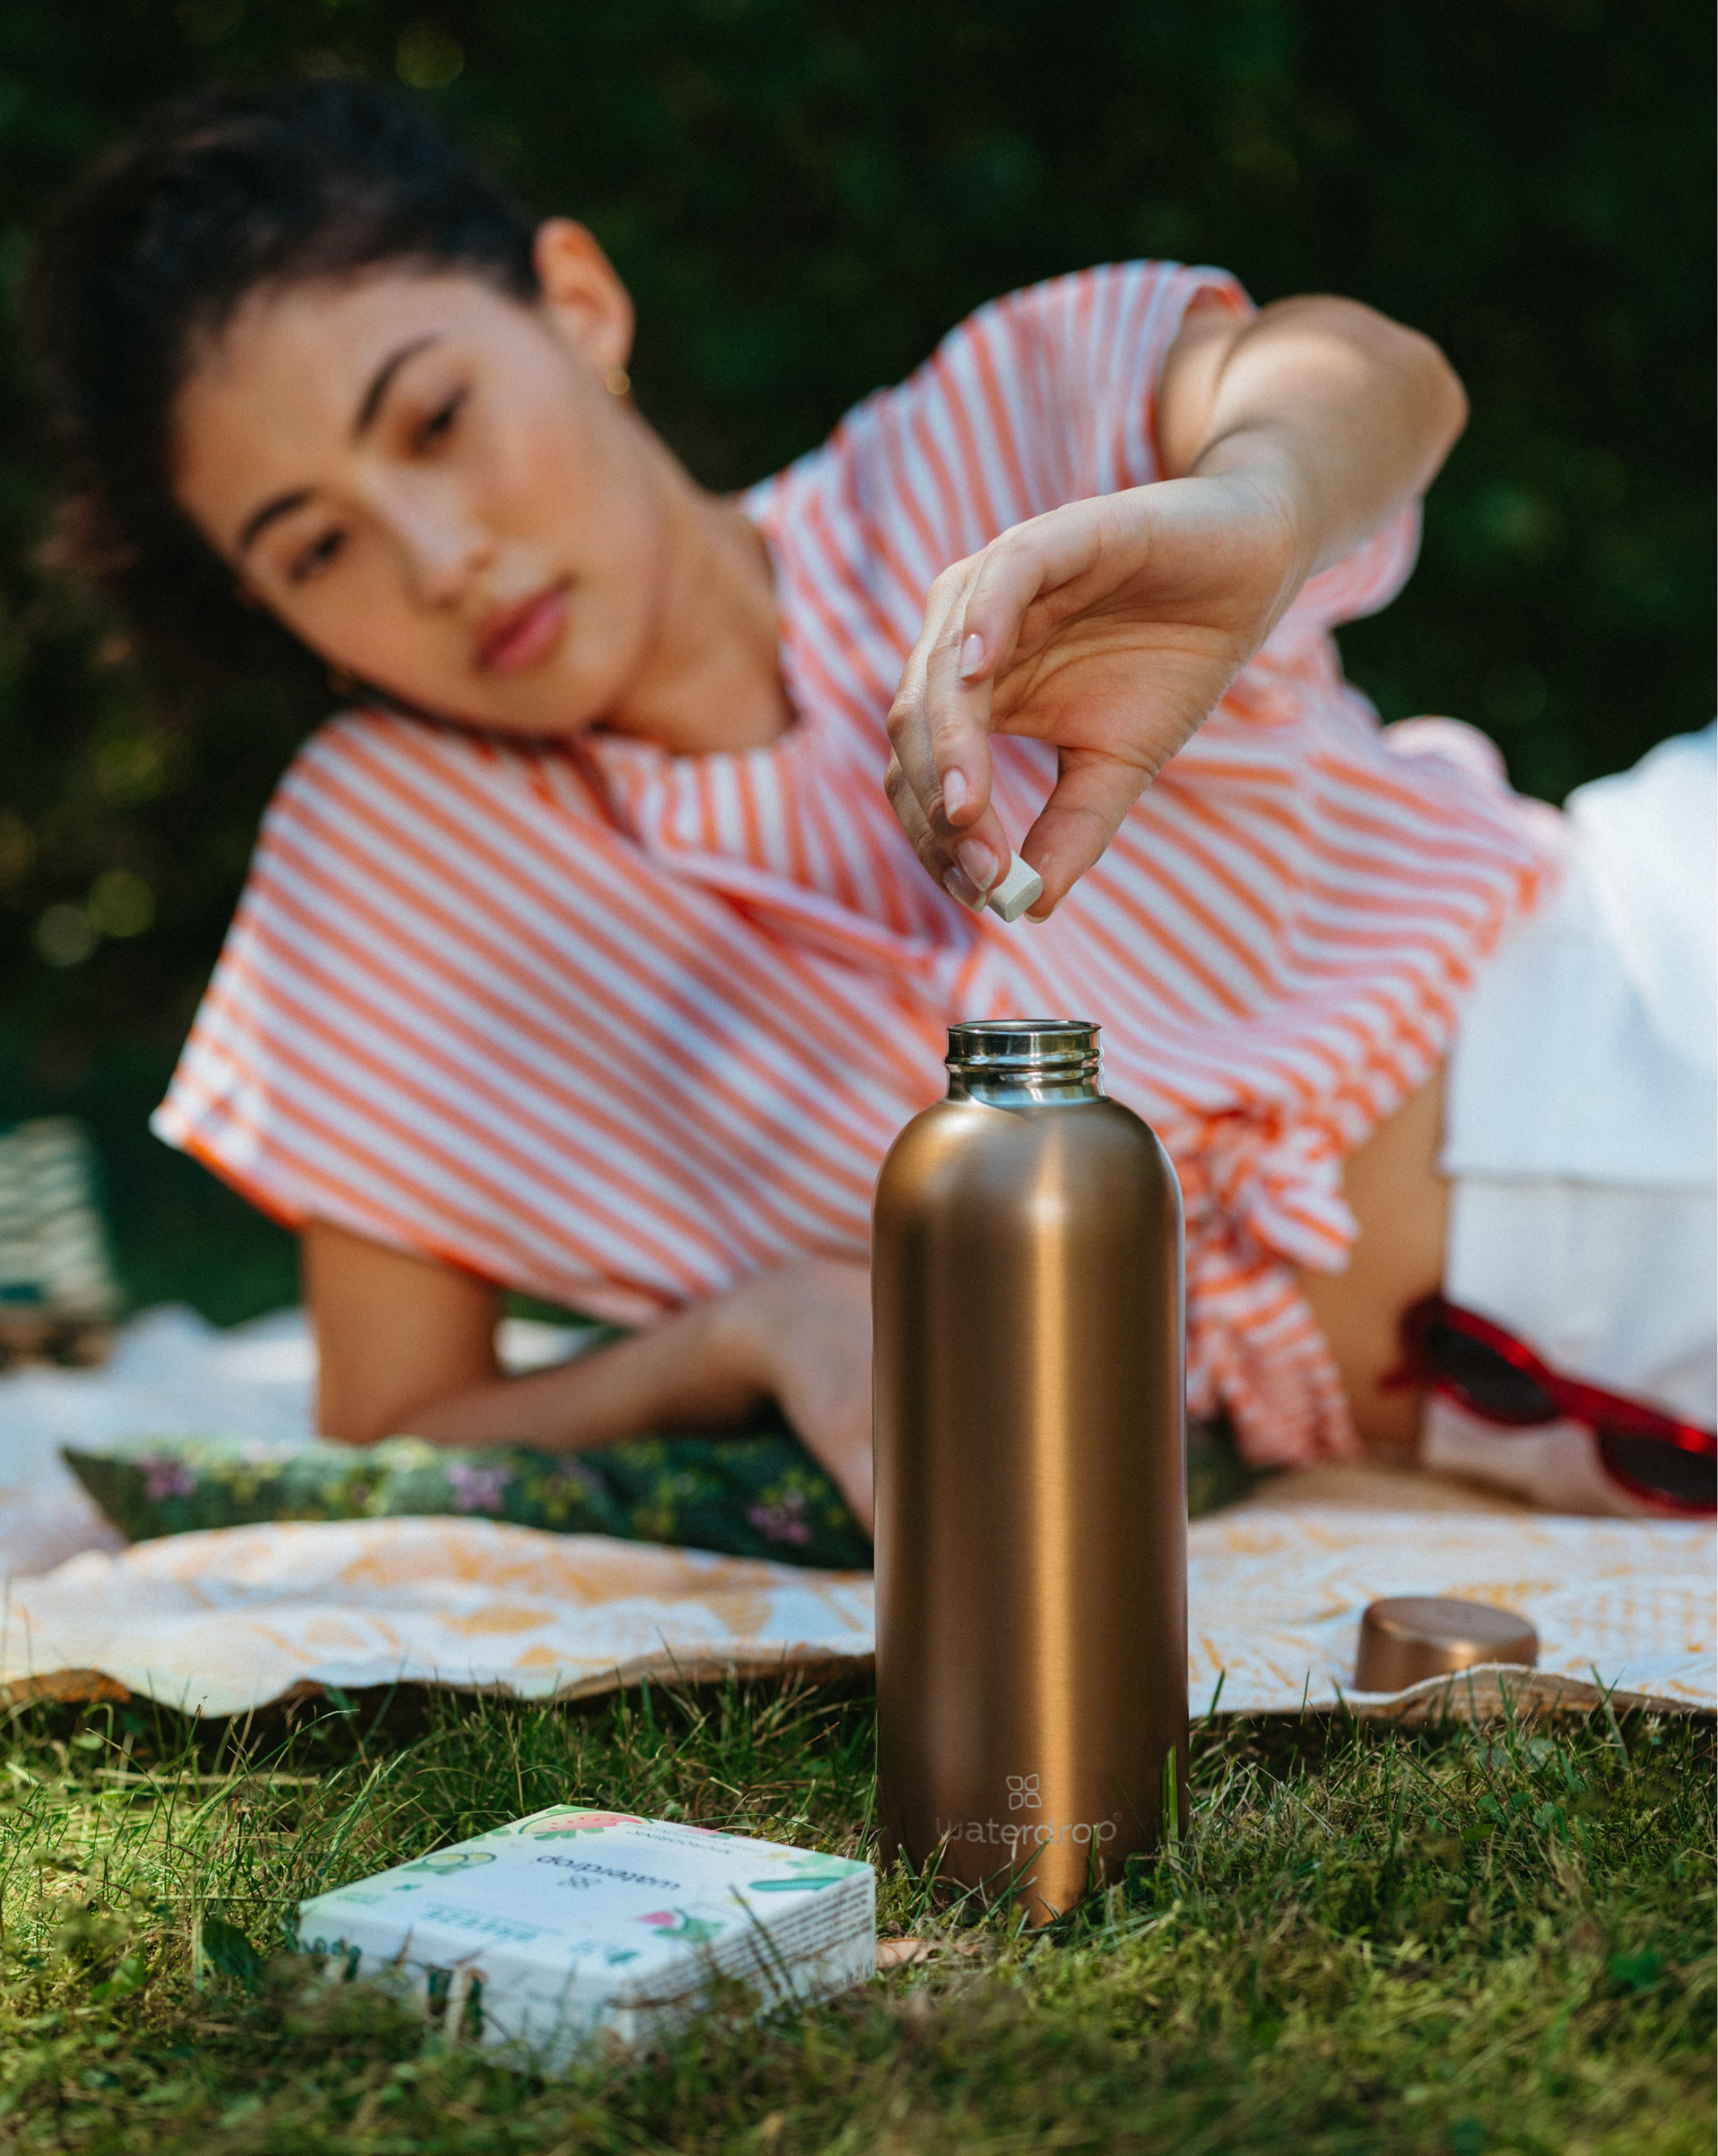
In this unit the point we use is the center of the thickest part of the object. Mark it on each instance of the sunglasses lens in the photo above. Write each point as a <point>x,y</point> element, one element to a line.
<point>1490,1384</point>
<point>1685,1478</point>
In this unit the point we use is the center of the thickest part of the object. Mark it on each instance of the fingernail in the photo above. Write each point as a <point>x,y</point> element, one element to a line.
<point>958,888</point>
<point>976,857</point>
<point>955,793</point>
<point>971,655</point>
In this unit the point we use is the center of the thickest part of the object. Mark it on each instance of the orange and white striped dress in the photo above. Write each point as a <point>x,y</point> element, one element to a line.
<point>620,1028</point>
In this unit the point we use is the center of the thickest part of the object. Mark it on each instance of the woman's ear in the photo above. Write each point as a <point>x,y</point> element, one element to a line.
<point>584,298</point>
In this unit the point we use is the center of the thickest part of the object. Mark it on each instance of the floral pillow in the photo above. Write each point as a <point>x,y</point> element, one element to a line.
<point>760,1496</point>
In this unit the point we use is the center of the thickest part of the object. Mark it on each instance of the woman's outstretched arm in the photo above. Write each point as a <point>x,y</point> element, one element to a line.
<point>1110,627</point>
<point>406,1344</point>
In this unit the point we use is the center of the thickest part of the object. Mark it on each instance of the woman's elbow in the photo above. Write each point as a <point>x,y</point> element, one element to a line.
<point>1439,393</point>
<point>347,1422</point>
<point>363,1406</point>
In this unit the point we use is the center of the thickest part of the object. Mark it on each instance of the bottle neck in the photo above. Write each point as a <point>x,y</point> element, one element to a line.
<point>1024,1062</point>
<point>1023,1092</point>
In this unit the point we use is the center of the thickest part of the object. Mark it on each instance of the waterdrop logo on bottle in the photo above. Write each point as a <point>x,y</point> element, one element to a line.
<point>1019,1836</point>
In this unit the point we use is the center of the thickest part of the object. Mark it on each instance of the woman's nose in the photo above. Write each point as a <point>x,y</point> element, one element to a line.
<point>443,546</point>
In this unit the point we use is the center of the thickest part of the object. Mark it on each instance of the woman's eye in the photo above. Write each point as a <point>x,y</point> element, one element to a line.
<point>315,556</point>
<point>440,422</point>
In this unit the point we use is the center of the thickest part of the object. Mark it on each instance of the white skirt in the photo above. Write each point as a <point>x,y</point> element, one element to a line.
<point>1581,1130</point>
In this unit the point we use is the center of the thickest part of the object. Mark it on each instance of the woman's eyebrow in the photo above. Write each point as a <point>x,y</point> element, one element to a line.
<point>383,375</point>
<point>282,505</point>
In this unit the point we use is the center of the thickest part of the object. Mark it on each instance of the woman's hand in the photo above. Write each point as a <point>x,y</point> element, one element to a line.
<point>1110,627</point>
<point>803,1337</point>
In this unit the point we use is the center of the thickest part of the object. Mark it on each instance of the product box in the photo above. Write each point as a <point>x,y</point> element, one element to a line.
<point>545,1933</point>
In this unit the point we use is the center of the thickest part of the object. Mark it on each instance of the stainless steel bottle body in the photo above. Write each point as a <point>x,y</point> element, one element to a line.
<point>1031,1519</point>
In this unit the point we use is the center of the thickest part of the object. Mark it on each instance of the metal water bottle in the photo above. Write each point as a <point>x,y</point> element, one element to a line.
<point>1031,1480</point>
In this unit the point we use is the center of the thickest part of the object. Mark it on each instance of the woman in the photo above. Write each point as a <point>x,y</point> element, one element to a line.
<point>585,957</point>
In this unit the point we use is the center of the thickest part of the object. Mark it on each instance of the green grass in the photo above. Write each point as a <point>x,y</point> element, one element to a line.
<point>1373,1939</point>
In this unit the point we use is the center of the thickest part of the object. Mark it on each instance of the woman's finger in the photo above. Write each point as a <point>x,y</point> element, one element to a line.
<point>909,715</point>
<point>957,743</point>
<point>1092,793</point>
<point>1023,566</point>
<point>941,762</point>
<point>934,847</point>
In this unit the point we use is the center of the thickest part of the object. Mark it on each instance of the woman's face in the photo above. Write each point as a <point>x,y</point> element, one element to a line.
<point>431,486</point>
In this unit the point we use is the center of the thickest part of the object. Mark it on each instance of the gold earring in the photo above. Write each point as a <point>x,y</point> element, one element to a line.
<point>617,381</point>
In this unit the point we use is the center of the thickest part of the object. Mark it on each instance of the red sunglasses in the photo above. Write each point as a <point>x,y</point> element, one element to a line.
<point>1445,1349</point>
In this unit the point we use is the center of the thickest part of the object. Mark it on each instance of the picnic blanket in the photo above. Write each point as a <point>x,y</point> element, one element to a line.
<point>222,1622</point>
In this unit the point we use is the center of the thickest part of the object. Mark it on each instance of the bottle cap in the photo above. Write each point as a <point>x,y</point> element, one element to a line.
<point>1407,1638</point>
<point>1019,888</point>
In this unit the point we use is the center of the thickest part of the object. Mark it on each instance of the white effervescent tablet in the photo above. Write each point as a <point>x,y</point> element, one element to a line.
<point>1019,888</point>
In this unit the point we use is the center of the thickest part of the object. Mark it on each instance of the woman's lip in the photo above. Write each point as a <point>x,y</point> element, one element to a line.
<point>516,637</point>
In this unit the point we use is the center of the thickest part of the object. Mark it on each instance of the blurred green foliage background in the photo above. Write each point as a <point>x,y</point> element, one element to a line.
<point>803,195</point>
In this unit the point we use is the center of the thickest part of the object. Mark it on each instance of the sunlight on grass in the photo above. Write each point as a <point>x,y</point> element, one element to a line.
<point>1448,1941</point>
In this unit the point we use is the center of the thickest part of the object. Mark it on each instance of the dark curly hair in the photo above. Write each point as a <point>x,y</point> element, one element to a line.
<point>218,194</point>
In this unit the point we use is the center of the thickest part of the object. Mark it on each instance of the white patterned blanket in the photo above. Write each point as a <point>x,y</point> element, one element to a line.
<point>221,1622</point>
